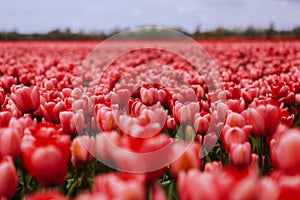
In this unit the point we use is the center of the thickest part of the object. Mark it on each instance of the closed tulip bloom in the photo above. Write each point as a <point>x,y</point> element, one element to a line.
<point>264,116</point>
<point>81,149</point>
<point>9,178</point>
<point>47,194</point>
<point>45,154</point>
<point>5,117</point>
<point>121,186</point>
<point>149,96</point>
<point>105,118</point>
<point>185,113</point>
<point>287,151</point>
<point>2,96</point>
<point>51,110</point>
<point>10,141</point>
<point>72,123</point>
<point>241,155</point>
<point>206,186</point>
<point>188,160</point>
<point>233,135</point>
<point>201,123</point>
<point>27,99</point>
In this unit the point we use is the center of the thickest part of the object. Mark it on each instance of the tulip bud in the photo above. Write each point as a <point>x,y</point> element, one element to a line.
<point>9,178</point>
<point>10,141</point>
<point>241,155</point>
<point>188,160</point>
<point>80,150</point>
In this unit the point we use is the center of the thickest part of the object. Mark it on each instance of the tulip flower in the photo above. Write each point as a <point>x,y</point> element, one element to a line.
<point>9,178</point>
<point>51,110</point>
<point>240,155</point>
<point>72,123</point>
<point>201,123</point>
<point>104,117</point>
<point>5,117</point>
<point>46,150</point>
<point>121,186</point>
<point>264,116</point>
<point>185,113</point>
<point>207,186</point>
<point>7,82</point>
<point>233,135</point>
<point>188,160</point>
<point>81,149</point>
<point>286,151</point>
<point>149,96</point>
<point>2,96</point>
<point>10,141</point>
<point>48,194</point>
<point>27,99</point>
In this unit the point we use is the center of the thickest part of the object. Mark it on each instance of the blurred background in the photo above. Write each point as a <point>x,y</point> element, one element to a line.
<point>98,19</point>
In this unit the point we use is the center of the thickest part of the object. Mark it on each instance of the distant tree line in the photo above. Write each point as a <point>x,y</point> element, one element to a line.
<point>152,33</point>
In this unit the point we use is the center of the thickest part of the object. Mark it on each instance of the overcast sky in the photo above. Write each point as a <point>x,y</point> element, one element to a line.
<point>95,15</point>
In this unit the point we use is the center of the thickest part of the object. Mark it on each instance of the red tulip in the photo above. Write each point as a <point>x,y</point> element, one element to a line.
<point>201,123</point>
<point>26,98</point>
<point>81,150</point>
<point>264,116</point>
<point>51,110</point>
<point>5,117</point>
<point>240,155</point>
<point>188,160</point>
<point>158,193</point>
<point>48,194</point>
<point>213,167</point>
<point>121,186</point>
<point>9,178</point>
<point>236,105</point>
<point>10,141</point>
<point>72,123</point>
<point>286,151</point>
<point>207,187</point>
<point>233,135</point>
<point>46,150</point>
<point>7,82</point>
<point>266,188</point>
<point>2,96</point>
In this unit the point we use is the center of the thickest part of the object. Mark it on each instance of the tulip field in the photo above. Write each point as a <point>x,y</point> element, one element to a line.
<point>149,124</point>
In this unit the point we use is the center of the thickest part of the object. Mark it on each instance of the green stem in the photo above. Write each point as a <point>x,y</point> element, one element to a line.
<point>24,181</point>
<point>170,191</point>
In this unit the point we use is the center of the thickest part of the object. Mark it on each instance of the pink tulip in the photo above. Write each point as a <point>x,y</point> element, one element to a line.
<point>105,118</point>
<point>149,96</point>
<point>72,123</point>
<point>185,113</point>
<point>26,98</point>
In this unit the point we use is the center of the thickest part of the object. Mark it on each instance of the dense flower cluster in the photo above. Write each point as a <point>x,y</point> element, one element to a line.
<point>58,119</point>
